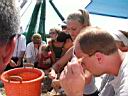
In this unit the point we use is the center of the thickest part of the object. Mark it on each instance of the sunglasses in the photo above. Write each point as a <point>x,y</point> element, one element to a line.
<point>52,33</point>
<point>36,42</point>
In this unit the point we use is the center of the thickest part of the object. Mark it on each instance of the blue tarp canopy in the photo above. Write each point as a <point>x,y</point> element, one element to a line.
<point>114,8</point>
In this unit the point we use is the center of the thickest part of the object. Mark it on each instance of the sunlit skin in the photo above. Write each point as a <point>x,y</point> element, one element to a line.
<point>37,45</point>
<point>6,54</point>
<point>9,53</point>
<point>74,27</point>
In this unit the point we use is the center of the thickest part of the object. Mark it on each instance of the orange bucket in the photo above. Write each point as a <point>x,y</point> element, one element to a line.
<point>22,81</point>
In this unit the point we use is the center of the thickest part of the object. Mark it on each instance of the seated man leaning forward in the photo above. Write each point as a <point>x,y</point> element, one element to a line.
<point>32,50</point>
<point>96,51</point>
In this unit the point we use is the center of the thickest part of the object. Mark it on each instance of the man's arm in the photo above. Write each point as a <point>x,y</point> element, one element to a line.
<point>20,58</point>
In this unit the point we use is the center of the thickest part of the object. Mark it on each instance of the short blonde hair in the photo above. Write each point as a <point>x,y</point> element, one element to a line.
<point>82,17</point>
<point>36,38</point>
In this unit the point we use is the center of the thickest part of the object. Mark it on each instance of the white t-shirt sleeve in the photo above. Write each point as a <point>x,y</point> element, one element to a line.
<point>28,50</point>
<point>23,43</point>
<point>120,82</point>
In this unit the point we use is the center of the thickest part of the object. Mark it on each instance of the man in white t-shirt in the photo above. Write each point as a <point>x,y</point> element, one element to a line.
<point>96,51</point>
<point>32,49</point>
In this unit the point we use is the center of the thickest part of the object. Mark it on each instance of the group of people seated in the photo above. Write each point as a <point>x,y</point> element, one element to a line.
<point>72,61</point>
<point>38,52</point>
<point>76,24</point>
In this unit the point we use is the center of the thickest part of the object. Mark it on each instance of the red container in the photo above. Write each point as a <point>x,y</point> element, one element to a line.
<point>22,81</point>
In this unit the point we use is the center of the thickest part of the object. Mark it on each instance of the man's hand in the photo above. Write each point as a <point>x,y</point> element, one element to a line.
<point>72,79</point>
<point>19,62</point>
<point>56,84</point>
<point>12,63</point>
<point>52,74</point>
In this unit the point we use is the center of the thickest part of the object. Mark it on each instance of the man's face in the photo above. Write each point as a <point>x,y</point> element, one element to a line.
<point>37,43</point>
<point>74,27</point>
<point>53,34</point>
<point>89,63</point>
<point>6,53</point>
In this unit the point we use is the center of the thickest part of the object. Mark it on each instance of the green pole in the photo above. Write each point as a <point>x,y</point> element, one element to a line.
<point>41,29</point>
<point>32,25</point>
<point>57,11</point>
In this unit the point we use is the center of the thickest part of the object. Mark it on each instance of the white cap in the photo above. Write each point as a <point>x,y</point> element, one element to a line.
<point>119,36</point>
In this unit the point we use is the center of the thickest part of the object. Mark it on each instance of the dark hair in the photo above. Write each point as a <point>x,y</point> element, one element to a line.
<point>63,27</point>
<point>9,20</point>
<point>62,37</point>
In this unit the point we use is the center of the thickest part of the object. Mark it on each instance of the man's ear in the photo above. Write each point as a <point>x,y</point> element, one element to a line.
<point>8,51</point>
<point>99,56</point>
